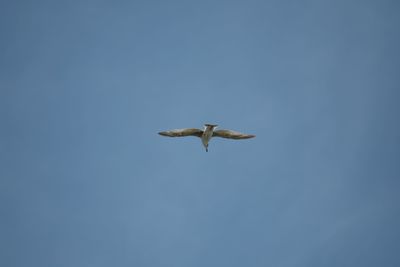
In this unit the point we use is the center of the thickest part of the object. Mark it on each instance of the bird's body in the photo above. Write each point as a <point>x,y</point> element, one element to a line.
<point>206,134</point>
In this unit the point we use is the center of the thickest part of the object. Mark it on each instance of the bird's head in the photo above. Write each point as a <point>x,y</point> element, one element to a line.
<point>213,126</point>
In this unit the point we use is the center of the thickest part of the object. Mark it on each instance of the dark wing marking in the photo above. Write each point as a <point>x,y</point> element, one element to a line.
<point>231,134</point>
<point>182,132</point>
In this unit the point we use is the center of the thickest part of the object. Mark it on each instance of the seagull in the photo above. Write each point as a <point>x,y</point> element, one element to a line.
<point>206,134</point>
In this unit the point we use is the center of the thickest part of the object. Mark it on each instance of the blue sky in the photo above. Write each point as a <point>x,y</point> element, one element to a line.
<point>86,181</point>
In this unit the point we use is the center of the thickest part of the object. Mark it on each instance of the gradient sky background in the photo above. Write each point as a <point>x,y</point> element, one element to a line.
<point>86,181</point>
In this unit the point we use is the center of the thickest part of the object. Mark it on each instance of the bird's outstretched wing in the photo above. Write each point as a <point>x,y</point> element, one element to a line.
<point>231,134</point>
<point>183,132</point>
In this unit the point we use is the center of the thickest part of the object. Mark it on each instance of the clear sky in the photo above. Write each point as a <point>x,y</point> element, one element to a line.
<point>85,180</point>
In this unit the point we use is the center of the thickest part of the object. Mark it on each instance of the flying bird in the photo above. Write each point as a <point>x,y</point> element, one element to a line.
<point>206,134</point>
